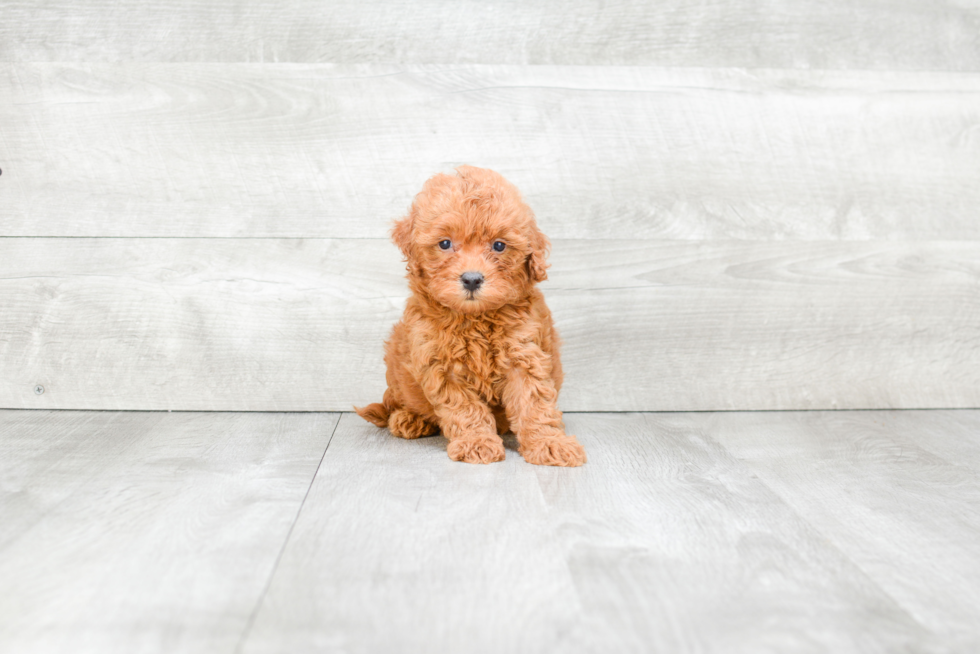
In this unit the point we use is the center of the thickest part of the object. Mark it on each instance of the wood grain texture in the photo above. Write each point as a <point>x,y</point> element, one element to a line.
<point>914,34</point>
<point>265,324</point>
<point>662,542</point>
<point>897,493</point>
<point>399,549</point>
<point>599,151</point>
<point>722,532</point>
<point>135,532</point>
<point>183,323</point>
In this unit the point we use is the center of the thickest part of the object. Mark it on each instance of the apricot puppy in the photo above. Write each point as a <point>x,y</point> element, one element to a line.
<point>476,352</point>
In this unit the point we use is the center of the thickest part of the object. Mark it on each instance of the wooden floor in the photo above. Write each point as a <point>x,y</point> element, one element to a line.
<point>685,532</point>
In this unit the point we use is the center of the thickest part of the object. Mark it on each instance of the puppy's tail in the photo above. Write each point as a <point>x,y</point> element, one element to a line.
<point>376,414</point>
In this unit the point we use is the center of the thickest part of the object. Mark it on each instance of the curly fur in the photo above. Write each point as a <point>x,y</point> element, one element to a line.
<point>474,365</point>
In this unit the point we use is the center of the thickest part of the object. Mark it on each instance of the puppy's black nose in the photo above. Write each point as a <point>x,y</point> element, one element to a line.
<point>471,280</point>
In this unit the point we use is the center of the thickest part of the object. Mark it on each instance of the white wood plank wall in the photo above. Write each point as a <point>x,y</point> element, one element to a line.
<point>906,35</point>
<point>752,206</point>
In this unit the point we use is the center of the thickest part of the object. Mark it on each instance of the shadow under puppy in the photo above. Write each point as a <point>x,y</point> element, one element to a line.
<point>476,352</point>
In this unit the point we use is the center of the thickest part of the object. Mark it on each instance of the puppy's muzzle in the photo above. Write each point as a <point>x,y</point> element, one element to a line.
<point>471,281</point>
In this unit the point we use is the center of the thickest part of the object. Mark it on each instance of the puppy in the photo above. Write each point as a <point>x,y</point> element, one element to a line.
<point>476,352</point>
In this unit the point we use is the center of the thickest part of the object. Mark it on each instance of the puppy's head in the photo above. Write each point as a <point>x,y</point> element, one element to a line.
<point>471,243</point>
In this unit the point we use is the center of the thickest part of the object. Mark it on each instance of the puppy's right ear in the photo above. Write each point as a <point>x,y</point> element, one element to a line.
<point>401,234</point>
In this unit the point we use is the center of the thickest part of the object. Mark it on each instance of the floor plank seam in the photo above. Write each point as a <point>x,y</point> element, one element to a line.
<point>285,542</point>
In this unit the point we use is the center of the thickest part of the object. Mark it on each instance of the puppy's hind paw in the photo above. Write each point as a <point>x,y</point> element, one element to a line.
<point>554,451</point>
<point>476,450</point>
<point>405,424</point>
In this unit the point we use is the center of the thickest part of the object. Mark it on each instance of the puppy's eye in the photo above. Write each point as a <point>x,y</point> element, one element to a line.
<point>445,244</point>
<point>498,246</point>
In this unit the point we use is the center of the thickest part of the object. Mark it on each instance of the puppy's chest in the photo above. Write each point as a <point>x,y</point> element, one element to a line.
<point>479,360</point>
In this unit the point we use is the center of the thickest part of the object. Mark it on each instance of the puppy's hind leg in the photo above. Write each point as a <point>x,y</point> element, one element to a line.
<point>405,424</point>
<point>399,420</point>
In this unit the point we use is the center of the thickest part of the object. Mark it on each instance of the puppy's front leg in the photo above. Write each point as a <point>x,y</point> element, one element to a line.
<point>531,401</point>
<point>465,420</point>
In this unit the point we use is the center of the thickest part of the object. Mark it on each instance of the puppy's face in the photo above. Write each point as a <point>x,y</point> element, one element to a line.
<point>471,242</point>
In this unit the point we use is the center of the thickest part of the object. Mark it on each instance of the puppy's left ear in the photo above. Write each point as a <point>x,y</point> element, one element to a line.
<point>537,264</point>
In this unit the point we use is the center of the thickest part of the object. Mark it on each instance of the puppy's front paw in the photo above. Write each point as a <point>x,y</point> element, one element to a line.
<point>476,450</point>
<point>554,451</point>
